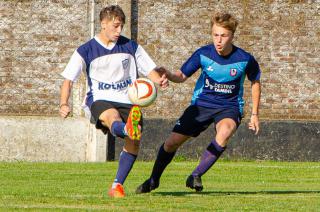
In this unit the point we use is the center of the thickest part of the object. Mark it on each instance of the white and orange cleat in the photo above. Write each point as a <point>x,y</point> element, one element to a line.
<point>117,191</point>
<point>133,128</point>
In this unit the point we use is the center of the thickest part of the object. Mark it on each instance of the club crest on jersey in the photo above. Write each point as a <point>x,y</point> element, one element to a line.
<point>233,72</point>
<point>125,63</point>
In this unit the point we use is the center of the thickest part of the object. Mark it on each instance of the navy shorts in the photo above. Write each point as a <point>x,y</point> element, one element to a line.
<point>196,119</point>
<point>99,106</point>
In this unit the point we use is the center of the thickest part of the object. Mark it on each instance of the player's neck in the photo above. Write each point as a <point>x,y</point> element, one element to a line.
<point>227,51</point>
<point>105,40</point>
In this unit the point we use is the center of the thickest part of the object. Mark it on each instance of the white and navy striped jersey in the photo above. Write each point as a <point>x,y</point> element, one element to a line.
<point>109,69</point>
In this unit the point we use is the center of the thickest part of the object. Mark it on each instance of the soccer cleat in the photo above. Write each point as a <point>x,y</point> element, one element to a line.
<point>117,191</point>
<point>194,182</point>
<point>147,186</point>
<point>132,126</point>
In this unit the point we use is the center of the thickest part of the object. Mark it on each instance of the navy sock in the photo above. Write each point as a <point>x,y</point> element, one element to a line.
<point>117,129</point>
<point>208,158</point>
<point>163,159</point>
<point>126,162</point>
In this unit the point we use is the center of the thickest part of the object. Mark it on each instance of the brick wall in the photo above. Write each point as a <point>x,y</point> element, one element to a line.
<point>38,37</point>
<point>283,37</point>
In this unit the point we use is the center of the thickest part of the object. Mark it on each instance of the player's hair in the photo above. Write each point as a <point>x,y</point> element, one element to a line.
<point>224,20</point>
<point>112,12</point>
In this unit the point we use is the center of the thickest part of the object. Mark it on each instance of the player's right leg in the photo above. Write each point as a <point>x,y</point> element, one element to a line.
<point>164,157</point>
<point>188,125</point>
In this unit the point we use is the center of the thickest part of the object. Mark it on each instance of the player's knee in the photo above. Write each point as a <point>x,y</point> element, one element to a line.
<point>104,119</point>
<point>174,142</point>
<point>171,146</point>
<point>225,133</point>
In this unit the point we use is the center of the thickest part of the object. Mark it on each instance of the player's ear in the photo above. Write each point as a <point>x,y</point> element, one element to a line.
<point>103,23</point>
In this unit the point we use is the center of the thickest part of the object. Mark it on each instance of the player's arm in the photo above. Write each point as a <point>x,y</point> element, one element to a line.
<point>64,107</point>
<point>256,92</point>
<point>157,76</point>
<point>177,76</point>
<point>70,73</point>
<point>187,69</point>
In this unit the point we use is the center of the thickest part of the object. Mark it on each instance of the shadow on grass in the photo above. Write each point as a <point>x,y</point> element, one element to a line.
<point>225,193</point>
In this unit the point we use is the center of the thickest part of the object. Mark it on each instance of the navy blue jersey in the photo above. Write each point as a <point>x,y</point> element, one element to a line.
<point>220,84</point>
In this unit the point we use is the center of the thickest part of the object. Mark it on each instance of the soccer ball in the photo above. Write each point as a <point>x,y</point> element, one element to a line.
<point>142,92</point>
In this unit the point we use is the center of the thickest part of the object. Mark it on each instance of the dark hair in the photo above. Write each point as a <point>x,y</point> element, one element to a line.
<point>224,20</point>
<point>112,12</point>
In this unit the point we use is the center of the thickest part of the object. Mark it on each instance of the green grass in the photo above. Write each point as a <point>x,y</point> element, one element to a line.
<point>228,186</point>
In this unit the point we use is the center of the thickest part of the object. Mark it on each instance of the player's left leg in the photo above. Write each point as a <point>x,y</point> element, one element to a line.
<point>225,129</point>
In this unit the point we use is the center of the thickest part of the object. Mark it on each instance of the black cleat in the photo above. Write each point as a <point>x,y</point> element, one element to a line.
<point>147,186</point>
<point>194,182</point>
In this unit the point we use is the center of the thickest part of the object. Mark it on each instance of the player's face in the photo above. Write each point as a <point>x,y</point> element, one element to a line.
<point>111,29</point>
<point>222,39</point>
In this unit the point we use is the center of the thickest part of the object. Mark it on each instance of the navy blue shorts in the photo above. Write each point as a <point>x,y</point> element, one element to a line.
<point>196,119</point>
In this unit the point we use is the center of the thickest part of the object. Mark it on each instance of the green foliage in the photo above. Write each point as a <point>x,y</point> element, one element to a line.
<point>228,186</point>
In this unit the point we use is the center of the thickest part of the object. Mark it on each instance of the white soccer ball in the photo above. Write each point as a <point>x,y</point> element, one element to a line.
<point>142,92</point>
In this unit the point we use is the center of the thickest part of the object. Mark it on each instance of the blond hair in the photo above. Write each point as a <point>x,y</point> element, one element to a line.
<point>224,20</point>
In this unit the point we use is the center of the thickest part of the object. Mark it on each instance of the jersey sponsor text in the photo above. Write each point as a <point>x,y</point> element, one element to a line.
<point>220,88</point>
<point>115,86</point>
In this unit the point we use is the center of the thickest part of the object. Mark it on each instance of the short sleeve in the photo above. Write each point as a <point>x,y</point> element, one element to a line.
<point>253,70</point>
<point>74,67</point>
<point>192,64</point>
<point>144,62</point>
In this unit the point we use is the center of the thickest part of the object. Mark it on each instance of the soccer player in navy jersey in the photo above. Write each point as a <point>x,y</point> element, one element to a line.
<point>111,62</point>
<point>217,99</point>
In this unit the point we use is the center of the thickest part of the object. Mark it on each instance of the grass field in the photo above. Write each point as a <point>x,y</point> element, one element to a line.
<point>228,186</point>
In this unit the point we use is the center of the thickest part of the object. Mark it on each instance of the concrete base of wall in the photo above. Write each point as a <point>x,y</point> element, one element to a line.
<point>50,139</point>
<point>53,139</point>
<point>277,140</point>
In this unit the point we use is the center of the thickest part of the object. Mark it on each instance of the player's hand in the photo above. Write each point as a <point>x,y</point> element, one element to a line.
<point>64,110</point>
<point>254,124</point>
<point>163,81</point>
<point>161,71</point>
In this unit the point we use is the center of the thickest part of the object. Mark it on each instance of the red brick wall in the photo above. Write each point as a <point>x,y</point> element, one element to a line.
<point>38,37</point>
<point>283,37</point>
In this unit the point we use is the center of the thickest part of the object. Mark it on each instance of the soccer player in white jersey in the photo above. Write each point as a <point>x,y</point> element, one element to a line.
<point>217,99</point>
<point>111,62</point>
